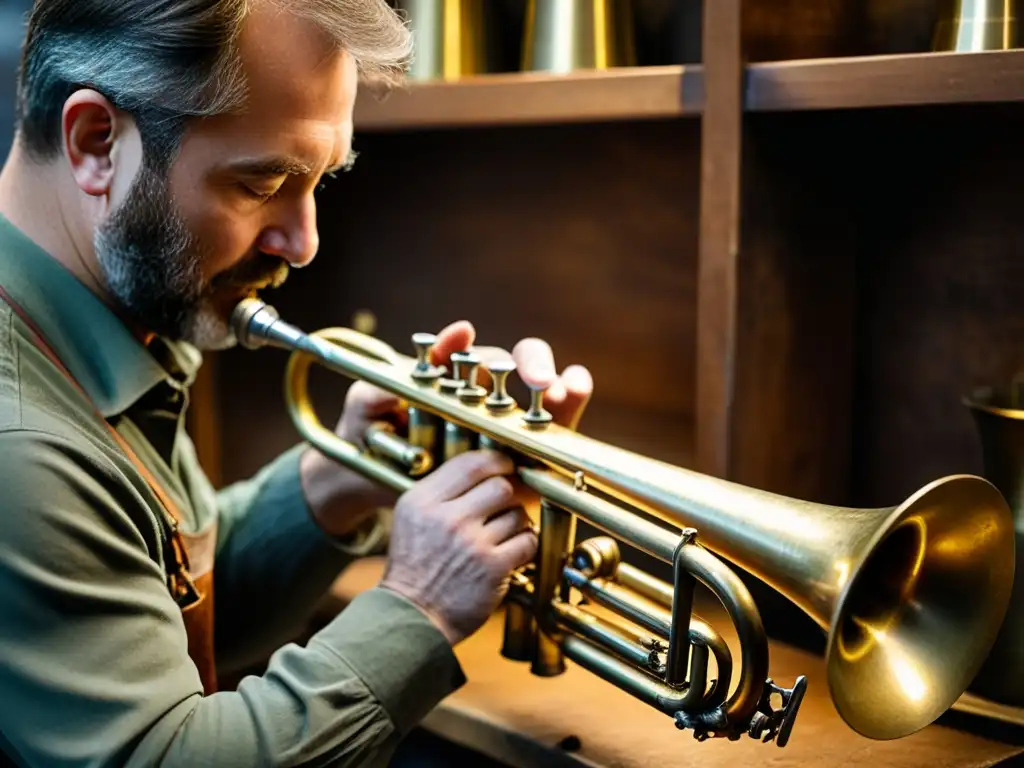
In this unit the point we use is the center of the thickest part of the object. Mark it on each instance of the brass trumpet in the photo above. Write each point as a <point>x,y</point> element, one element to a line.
<point>911,597</point>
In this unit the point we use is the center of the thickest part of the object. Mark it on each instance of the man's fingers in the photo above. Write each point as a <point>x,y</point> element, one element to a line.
<point>566,396</point>
<point>453,478</point>
<point>517,551</point>
<point>453,338</point>
<point>535,362</point>
<point>494,495</point>
<point>506,524</point>
<point>370,400</point>
<point>488,355</point>
<point>574,389</point>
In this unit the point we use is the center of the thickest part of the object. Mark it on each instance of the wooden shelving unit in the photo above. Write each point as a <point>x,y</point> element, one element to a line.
<point>786,273</point>
<point>675,91</point>
<point>530,98</point>
<point>871,82</point>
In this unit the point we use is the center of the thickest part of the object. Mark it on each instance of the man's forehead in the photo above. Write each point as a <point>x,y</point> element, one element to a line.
<point>300,97</point>
<point>291,64</point>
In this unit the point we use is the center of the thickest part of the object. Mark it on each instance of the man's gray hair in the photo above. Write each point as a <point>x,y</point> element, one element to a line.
<point>166,61</point>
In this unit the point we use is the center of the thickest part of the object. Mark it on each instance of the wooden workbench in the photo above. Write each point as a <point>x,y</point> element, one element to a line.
<point>578,719</point>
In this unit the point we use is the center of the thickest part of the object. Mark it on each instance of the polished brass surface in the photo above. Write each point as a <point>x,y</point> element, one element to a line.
<point>971,26</point>
<point>999,421</point>
<point>911,596</point>
<point>450,39</point>
<point>567,35</point>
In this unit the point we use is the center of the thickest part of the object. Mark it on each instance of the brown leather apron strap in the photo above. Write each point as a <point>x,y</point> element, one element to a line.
<point>194,597</point>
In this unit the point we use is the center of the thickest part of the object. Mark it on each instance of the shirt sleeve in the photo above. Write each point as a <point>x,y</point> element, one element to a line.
<point>94,667</point>
<point>274,564</point>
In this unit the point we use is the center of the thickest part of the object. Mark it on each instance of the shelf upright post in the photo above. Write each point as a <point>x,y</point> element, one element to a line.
<point>721,135</point>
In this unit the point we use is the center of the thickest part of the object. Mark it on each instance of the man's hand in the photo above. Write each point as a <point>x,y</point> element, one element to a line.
<point>457,536</point>
<point>341,499</point>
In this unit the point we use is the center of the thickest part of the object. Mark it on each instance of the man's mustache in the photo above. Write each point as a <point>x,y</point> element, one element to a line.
<point>256,270</point>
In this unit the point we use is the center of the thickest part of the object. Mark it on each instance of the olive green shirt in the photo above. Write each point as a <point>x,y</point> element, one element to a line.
<point>94,668</point>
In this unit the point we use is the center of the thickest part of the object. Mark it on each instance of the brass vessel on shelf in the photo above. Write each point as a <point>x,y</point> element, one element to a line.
<point>972,26</point>
<point>450,38</point>
<point>567,35</point>
<point>999,420</point>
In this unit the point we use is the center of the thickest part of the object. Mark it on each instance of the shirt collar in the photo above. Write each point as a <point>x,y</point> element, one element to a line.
<point>113,367</point>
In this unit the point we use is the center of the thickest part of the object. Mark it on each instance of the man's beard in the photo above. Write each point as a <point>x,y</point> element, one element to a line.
<point>153,268</point>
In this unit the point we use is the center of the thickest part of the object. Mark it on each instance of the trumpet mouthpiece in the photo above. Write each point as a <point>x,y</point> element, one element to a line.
<point>249,317</point>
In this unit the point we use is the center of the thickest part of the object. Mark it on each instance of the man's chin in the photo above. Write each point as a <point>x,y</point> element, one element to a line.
<point>210,331</point>
<point>210,328</point>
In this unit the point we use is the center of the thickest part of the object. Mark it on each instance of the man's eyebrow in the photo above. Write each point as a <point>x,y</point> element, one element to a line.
<point>345,165</point>
<point>272,166</point>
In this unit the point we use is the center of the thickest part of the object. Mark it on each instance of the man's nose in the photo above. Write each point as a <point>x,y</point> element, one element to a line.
<point>293,236</point>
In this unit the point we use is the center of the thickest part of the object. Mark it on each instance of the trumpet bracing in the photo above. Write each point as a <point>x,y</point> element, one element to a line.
<point>911,597</point>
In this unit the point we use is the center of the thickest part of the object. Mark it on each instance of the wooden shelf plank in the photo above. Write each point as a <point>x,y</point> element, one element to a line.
<point>885,81</point>
<point>627,93</point>
<point>643,93</point>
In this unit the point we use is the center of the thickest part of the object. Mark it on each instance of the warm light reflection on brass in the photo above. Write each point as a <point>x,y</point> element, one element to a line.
<point>567,35</point>
<point>449,38</point>
<point>971,26</point>
<point>911,596</point>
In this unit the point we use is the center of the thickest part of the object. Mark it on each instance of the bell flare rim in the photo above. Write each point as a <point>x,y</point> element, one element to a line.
<point>954,505</point>
<point>980,406</point>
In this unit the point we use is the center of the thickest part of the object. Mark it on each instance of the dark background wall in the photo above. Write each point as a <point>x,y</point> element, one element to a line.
<point>12,15</point>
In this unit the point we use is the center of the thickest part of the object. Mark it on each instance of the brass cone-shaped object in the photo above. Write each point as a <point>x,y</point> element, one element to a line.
<point>999,419</point>
<point>450,38</point>
<point>971,26</point>
<point>567,35</point>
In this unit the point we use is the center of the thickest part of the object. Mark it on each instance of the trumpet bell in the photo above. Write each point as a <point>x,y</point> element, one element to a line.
<point>915,620</point>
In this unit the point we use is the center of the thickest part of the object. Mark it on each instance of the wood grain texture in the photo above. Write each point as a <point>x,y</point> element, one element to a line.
<point>582,235</point>
<point>667,91</point>
<point>881,81</point>
<point>626,93</point>
<point>721,126</point>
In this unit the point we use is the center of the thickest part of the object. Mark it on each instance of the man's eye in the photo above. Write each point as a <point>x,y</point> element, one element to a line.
<point>262,196</point>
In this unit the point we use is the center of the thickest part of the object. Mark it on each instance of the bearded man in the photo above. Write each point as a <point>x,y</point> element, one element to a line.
<point>164,166</point>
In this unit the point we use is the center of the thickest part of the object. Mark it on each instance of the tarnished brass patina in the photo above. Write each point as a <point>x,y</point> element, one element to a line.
<point>911,596</point>
<point>971,26</point>
<point>999,420</point>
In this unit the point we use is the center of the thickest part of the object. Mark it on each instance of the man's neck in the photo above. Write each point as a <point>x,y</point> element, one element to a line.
<point>37,200</point>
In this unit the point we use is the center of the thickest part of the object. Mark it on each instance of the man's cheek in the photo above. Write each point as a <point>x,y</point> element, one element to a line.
<point>225,242</point>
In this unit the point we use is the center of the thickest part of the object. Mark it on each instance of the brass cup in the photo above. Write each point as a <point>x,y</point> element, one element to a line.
<point>566,35</point>
<point>450,38</point>
<point>999,423</point>
<point>971,26</point>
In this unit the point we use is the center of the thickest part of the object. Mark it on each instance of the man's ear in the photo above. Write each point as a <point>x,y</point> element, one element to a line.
<point>89,126</point>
